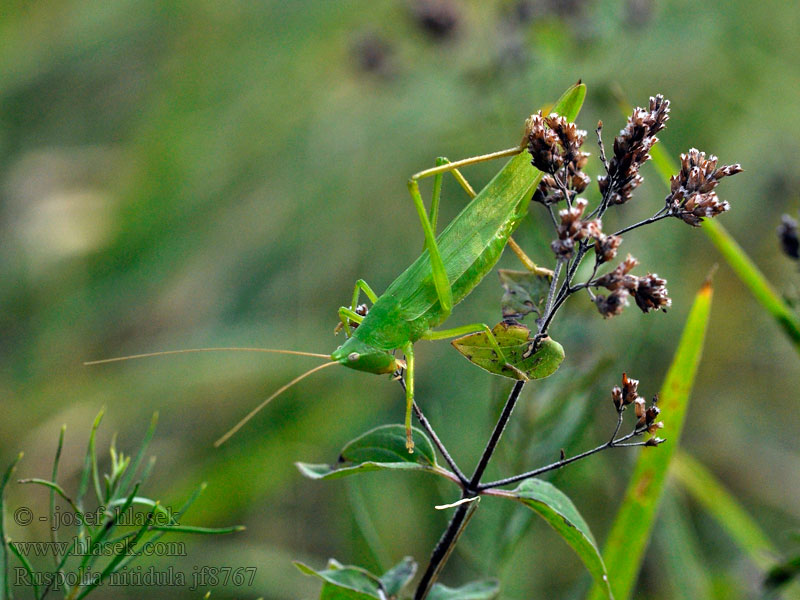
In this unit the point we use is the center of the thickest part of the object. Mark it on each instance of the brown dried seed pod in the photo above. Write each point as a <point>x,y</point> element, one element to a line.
<point>651,293</point>
<point>629,388</point>
<point>788,235</point>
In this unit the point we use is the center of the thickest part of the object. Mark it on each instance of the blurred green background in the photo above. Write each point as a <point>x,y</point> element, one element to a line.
<point>178,174</point>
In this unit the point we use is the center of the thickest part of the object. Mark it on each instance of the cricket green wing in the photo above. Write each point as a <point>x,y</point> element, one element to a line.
<point>473,242</point>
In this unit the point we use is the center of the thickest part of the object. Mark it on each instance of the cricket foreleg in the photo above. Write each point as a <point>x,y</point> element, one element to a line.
<point>350,315</point>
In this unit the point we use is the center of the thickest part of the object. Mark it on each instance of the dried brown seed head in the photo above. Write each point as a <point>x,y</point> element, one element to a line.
<point>654,441</point>
<point>543,145</point>
<point>620,278</point>
<point>606,247</point>
<point>437,18</point>
<point>632,150</point>
<point>651,414</point>
<point>572,228</point>
<point>788,234</point>
<point>651,293</point>
<point>639,408</point>
<point>613,304</point>
<point>629,389</point>
<point>616,397</point>
<point>692,195</point>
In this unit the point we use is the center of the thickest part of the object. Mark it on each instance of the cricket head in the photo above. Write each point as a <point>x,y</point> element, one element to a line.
<point>358,355</point>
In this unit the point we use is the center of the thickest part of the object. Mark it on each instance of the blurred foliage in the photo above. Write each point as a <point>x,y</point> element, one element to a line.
<point>178,174</point>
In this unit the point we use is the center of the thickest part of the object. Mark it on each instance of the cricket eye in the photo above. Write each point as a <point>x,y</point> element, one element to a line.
<point>353,356</point>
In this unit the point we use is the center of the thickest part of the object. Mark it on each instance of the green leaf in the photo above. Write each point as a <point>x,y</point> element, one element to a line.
<point>5,586</point>
<point>345,582</point>
<point>737,258</point>
<point>723,507</point>
<point>396,578</point>
<point>381,448</point>
<point>684,573</point>
<point>570,102</point>
<point>477,590</point>
<point>557,509</point>
<point>624,549</point>
<point>514,340</point>
<point>525,292</point>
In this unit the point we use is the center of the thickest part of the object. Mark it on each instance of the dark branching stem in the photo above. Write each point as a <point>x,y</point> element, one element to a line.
<point>436,441</point>
<point>472,488</point>
<point>662,214</point>
<point>445,454</point>
<point>614,442</point>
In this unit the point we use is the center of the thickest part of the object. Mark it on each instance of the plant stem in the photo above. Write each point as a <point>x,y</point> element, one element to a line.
<point>460,518</point>
<point>436,441</point>
<point>613,443</point>
<point>499,427</point>
<point>439,445</point>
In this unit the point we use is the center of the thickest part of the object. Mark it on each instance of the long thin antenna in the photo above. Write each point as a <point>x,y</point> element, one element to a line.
<point>168,352</point>
<point>278,392</point>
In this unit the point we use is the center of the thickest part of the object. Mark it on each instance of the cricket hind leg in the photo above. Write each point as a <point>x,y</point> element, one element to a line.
<point>355,313</point>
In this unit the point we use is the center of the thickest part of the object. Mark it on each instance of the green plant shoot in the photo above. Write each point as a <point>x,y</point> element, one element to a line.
<point>450,266</point>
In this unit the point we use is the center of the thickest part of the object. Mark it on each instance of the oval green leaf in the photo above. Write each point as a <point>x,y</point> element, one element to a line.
<point>345,583</point>
<point>555,507</point>
<point>524,292</point>
<point>477,590</point>
<point>379,449</point>
<point>396,578</point>
<point>514,340</point>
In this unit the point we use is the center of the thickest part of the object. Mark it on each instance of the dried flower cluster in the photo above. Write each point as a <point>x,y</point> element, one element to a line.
<point>692,194</point>
<point>572,229</point>
<point>627,394</point>
<point>632,150</point>
<point>788,235</point>
<point>650,291</point>
<point>555,148</point>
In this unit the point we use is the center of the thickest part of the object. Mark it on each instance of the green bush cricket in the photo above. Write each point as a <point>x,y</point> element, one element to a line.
<point>450,266</point>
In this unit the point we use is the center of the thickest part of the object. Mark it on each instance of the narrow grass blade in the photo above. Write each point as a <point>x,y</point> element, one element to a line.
<point>625,547</point>
<point>54,477</point>
<point>114,564</point>
<point>28,568</point>
<point>108,527</point>
<point>133,467</point>
<point>5,586</point>
<point>682,567</point>
<point>60,491</point>
<point>90,466</point>
<point>723,507</point>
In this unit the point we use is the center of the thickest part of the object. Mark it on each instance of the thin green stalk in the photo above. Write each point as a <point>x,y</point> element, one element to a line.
<point>5,586</point>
